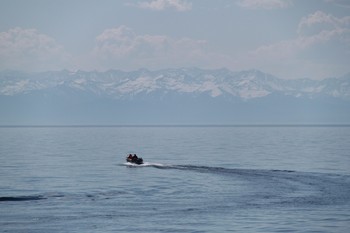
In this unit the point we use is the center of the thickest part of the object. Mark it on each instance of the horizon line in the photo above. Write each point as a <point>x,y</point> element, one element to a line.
<point>175,125</point>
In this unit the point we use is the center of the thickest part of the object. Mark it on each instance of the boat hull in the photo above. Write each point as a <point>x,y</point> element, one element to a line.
<point>135,161</point>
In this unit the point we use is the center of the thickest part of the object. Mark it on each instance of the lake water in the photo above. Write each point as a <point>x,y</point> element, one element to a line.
<point>195,179</point>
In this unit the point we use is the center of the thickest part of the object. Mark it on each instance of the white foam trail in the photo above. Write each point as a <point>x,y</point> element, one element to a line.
<point>147,164</point>
<point>155,164</point>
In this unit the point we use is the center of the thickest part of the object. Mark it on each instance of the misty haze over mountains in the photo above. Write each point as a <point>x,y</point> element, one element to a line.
<point>170,96</point>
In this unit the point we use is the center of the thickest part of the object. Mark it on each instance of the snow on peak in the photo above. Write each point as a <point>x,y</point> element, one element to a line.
<point>214,83</point>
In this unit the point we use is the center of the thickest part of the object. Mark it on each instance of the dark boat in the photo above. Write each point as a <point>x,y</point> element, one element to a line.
<point>134,160</point>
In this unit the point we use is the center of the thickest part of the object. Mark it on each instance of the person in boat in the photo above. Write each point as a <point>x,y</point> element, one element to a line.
<point>135,158</point>
<point>130,156</point>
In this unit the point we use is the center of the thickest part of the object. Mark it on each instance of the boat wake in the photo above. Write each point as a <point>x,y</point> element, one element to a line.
<point>206,169</point>
<point>278,186</point>
<point>246,187</point>
<point>147,164</point>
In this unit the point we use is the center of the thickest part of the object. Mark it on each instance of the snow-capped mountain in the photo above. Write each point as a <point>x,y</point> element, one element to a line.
<point>214,83</point>
<point>170,96</point>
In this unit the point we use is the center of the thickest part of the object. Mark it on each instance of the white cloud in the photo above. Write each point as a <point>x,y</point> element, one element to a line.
<point>288,48</point>
<point>159,5</point>
<point>320,27</point>
<point>322,42</point>
<point>122,48</point>
<point>27,49</point>
<point>264,4</point>
<point>320,21</point>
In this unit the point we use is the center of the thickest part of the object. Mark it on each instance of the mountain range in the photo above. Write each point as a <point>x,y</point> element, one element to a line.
<point>170,96</point>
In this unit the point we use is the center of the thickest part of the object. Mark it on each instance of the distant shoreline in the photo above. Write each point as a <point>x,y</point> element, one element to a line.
<point>174,125</point>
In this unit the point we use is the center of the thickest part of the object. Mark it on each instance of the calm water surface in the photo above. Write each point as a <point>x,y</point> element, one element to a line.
<point>195,179</point>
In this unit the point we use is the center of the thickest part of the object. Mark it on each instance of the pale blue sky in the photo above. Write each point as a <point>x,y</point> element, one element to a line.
<point>289,39</point>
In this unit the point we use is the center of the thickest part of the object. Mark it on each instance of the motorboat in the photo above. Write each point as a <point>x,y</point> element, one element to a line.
<point>134,159</point>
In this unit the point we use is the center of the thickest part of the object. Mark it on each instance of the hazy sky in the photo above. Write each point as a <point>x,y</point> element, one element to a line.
<point>289,39</point>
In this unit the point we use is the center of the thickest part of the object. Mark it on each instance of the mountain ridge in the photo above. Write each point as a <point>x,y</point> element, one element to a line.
<point>246,85</point>
<point>170,96</point>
